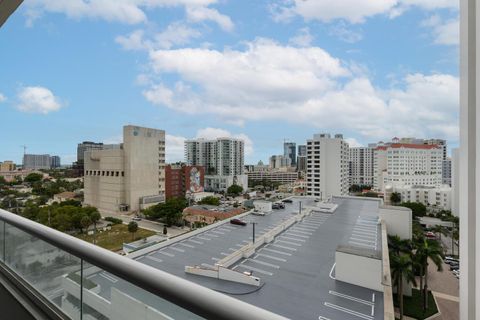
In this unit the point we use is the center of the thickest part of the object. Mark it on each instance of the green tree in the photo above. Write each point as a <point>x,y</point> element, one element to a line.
<point>165,231</point>
<point>34,177</point>
<point>439,230</point>
<point>210,200</point>
<point>429,249</point>
<point>235,190</point>
<point>401,266</point>
<point>85,222</point>
<point>398,245</point>
<point>132,228</point>
<point>418,209</point>
<point>395,198</point>
<point>94,217</point>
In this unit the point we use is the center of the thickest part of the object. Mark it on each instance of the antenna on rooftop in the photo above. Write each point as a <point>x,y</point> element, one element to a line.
<point>24,149</point>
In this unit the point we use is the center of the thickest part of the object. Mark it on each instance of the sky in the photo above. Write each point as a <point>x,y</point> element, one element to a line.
<point>262,70</point>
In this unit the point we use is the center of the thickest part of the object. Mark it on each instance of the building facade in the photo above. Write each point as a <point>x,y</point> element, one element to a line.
<point>455,182</point>
<point>279,161</point>
<point>447,171</point>
<point>36,161</point>
<point>182,180</point>
<point>55,162</point>
<point>7,166</point>
<point>361,166</point>
<point>327,166</point>
<point>290,152</point>
<point>438,197</point>
<point>130,177</point>
<point>280,176</point>
<point>223,159</point>
<point>399,164</point>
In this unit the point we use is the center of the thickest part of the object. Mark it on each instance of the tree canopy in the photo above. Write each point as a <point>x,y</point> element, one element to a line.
<point>210,200</point>
<point>235,190</point>
<point>418,209</point>
<point>169,212</point>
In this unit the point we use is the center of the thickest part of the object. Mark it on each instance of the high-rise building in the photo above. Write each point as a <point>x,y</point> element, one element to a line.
<point>36,161</point>
<point>290,151</point>
<point>181,180</point>
<point>327,166</point>
<point>361,166</point>
<point>130,177</point>
<point>55,162</point>
<point>399,164</point>
<point>89,146</point>
<point>279,161</point>
<point>223,159</point>
<point>441,143</point>
<point>302,150</point>
<point>302,163</point>
<point>447,171</point>
<point>455,181</point>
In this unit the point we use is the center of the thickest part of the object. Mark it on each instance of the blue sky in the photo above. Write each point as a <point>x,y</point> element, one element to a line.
<point>261,70</point>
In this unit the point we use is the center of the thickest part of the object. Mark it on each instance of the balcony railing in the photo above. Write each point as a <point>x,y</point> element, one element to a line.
<point>78,280</point>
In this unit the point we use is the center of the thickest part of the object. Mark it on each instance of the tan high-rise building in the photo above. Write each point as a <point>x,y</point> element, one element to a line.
<point>128,178</point>
<point>7,166</point>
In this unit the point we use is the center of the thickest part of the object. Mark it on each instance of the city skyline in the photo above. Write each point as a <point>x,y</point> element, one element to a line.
<point>336,79</point>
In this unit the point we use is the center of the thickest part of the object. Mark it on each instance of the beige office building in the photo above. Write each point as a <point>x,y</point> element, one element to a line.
<point>129,178</point>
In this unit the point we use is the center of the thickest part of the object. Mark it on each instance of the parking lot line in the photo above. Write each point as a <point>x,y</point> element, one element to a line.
<point>276,251</point>
<point>195,241</point>
<point>362,240</point>
<point>303,232</point>
<point>211,235</point>
<point>346,296</point>
<point>186,245</point>
<point>289,242</point>
<point>365,229</point>
<point>239,245</point>
<point>203,238</point>
<point>264,263</point>
<point>271,257</point>
<point>215,231</point>
<point>283,247</point>
<point>308,227</point>
<point>322,318</point>
<point>297,235</point>
<point>290,238</point>
<point>365,232</point>
<point>177,249</point>
<point>224,230</point>
<point>352,312</point>
<point>255,269</point>
<point>166,253</point>
<point>153,258</point>
<point>363,236</point>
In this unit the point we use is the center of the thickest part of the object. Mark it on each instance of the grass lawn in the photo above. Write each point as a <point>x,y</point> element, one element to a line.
<point>113,239</point>
<point>412,306</point>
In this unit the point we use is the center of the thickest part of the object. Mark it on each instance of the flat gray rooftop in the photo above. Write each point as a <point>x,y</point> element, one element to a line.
<point>296,269</point>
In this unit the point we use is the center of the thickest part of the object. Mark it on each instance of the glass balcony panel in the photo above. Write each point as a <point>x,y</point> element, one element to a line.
<point>46,268</point>
<point>106,296</point>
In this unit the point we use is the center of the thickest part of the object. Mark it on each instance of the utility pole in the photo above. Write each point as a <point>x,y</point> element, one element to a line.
<point>300,207</point>
<point>24,153</point>
<point>253,225</point>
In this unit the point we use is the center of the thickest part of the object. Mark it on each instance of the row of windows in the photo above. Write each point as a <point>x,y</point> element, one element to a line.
<point>104,173</point>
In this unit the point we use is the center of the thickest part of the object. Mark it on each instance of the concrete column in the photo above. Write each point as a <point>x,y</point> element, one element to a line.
<point>469,202</point>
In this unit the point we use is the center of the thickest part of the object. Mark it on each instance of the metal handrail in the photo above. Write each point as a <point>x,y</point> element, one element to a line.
<point>188,295</point>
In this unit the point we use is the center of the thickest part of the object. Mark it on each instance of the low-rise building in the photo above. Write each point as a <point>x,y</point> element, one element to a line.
<point>206,214</point>
<point>64,196</point>
<point>7,166</point>
<point>181,180</point>
<point>280,176</point>
<point>436,197</point>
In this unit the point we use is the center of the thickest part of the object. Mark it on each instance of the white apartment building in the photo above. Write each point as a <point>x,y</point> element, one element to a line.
<point>361,165</point>
<point>399,164</point>
<point>128,178</point>
<point>223,159</point>
<point>327,166</point>
<point>439,197</point>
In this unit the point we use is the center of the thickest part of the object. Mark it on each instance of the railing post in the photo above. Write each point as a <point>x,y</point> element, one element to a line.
<point>81,289</point>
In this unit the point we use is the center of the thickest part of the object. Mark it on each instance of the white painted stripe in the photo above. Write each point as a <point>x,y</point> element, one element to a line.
<point>305,226</point>
<point>323,318</point>
<point>271,257</point>
<point>289,242</point>
<point>264,263</point>
<point>363,240</point>
<point>239,245</point>
<point>346,296</point>
<point>365,229</point>
<point>166,253</point>
<point>302,228</point>
<point>311,224</point>
<point>154,259</point>
<point>215,259</point>
<point>224,230</point>
<point>290,238</point>
<point>186,245</point>
<point>354,313</point>
<point>373,234</point>
<point>195,241</point>
<point>211,235</point>
<point>176,249</point>
<point>277,251</point>
<point>302,232</point>
<point>246,241</point>
<point>255,269</point>
<point>297,235</point>
<point>224,254</point>
<point>215,231</point>
<point>363,236</point>
<point>94,274</point>
<point>283,247</point>
<point>331,272</point>
<point>203,238</point>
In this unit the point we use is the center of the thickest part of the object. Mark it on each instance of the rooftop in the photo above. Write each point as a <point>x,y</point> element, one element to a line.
<point>296,270</point>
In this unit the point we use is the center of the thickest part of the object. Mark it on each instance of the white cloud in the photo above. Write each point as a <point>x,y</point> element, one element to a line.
<point>201,13</point>
<point>353,143</point>
<point>175,34</point>
<point>353,11</point>
<point>342,32</point>
<point>267,81</point>
<point>174,148</point>
<point>2,97</point>
<point>302,39</point>
<point>213,133</point>
<point>444,32</point>
<point>37,100</point>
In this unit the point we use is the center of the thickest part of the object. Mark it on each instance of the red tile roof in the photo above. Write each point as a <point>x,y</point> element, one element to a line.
<point>408,146</point>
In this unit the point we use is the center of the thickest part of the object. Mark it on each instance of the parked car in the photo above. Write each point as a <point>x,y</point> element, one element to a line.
<point>287,200</point>
<point>454,267</point>
<point>136,218</point>
<point>238,222</point>
<point>449,259</point>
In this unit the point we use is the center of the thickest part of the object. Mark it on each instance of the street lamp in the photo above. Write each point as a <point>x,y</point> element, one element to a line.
<point>253,230</point>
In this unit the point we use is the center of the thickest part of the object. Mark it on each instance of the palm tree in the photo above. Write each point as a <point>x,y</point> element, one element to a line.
<point>398,245</point>
<point>395,197</point>
<point>439,230</point>
<point>401,266</point>
<point>132,228</point>
<point>429,249</point>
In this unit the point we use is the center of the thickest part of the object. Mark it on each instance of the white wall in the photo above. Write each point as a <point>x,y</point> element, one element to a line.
<point>358,270</point>
<point>398,220</point>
